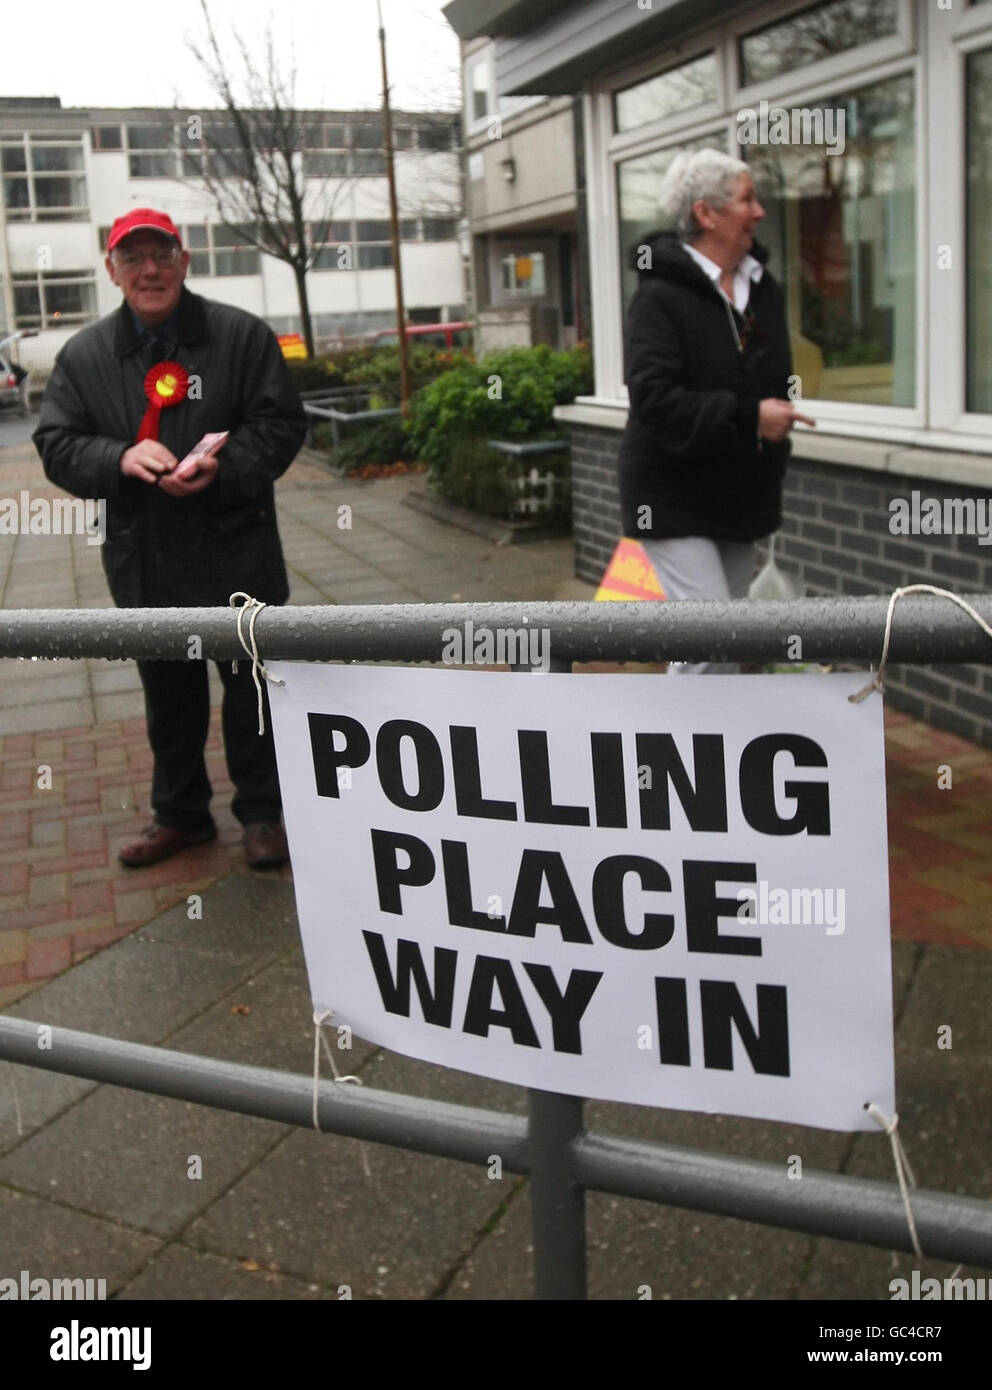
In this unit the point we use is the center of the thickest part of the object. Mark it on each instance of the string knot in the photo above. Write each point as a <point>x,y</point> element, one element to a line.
<point>890,1124</point>
<point>876,682</point>
<point>252,606</point>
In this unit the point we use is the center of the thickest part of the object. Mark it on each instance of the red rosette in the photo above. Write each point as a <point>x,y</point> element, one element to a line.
<point>165,385</point>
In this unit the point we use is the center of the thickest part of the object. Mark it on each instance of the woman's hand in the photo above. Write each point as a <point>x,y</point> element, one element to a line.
<point>776,419</point>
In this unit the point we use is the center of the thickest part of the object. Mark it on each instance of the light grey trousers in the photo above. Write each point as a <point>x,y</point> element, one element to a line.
<point>695,567</point>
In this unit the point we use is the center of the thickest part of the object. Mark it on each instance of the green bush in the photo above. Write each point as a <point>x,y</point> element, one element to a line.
<point>509,395</point>
<point>379,442</point>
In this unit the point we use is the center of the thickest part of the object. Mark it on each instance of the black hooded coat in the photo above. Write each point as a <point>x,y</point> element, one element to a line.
<point>690,452</point>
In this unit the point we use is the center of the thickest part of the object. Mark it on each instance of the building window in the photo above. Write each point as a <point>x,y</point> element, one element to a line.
<point>524,275</point>
<point>978,207</point>
<point>680,89</point>
<point>151,151</point>
<point>218,250</point>
<point>234,253</point>
<point>49,298</point>
<point>439,138</point>
<point>325,164</point>
<point>818,33</point>
<point>107,137</point>
<point>43,177</point>
<point>368,137</point>
<point>375,257</point>
<point>333,245</point>
<point>440,228</point>
<point>841,227</point>
<point>368,164</point>
<point>374,231</point>
<point>478,89</point>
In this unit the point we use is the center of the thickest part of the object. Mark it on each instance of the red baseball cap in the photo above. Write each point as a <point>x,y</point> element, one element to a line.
<point>142,220</point>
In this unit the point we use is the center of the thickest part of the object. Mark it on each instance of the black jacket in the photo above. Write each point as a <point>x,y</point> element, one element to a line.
<point>690,450</point>
<point>162,551</point>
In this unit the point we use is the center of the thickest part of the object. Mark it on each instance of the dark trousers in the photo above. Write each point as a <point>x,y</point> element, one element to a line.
<point>177,703</point>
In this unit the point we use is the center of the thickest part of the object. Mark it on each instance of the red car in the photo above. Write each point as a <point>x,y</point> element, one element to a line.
<point>442,335</point>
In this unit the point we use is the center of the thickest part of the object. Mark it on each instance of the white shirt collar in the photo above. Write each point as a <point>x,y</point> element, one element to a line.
<point>748,270</point>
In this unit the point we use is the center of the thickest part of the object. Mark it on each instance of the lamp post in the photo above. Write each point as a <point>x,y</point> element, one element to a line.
<point>394,225</point>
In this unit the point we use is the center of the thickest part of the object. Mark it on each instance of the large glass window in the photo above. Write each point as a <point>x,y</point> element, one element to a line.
<point>43,182</point>
<point>815,34</point>
<point>218,250</point>
<point>48,299</point>
<point>638,182</point>
<point>979,241</point>
<point>679,89</point>
<point>841,225</point>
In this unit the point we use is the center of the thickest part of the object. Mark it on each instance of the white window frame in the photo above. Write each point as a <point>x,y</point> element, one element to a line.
<point>952,38</point>
<point>930,45</point>
<point>46,318</point>
<point>484,58</point>
<point>39,212</point>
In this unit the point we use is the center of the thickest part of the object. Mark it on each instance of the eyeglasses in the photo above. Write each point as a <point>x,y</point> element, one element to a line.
<point>162,256</point>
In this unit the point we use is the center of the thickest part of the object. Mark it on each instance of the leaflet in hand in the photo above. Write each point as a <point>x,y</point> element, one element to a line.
<point>209,444</point>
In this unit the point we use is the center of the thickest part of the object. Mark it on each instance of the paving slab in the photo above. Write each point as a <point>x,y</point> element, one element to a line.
<point>310,1208</point>
<point>270,1025</point>
<point>55,1242</point>
<point>178,1272</point>
<point>141,990</point>
<point>247,919</point>
<point>148,1162</point>
<point>948,1016</point>
<point>398,1234</point>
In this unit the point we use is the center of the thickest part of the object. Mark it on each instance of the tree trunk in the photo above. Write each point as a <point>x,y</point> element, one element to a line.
<point>301,293</point>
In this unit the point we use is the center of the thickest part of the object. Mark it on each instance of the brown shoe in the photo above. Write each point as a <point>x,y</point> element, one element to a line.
<point>157,842</point>
<point>265,845</point>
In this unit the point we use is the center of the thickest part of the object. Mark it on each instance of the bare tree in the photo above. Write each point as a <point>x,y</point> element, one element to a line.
<point>258,155</point>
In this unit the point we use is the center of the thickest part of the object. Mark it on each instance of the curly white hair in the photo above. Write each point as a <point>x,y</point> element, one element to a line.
<point>707,175</point>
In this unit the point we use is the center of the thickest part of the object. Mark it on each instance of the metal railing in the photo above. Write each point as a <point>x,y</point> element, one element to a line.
<point>551,1146</point>
<point>326,405</point>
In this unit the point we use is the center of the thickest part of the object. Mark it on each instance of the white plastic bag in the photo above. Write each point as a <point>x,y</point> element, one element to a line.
<point>770,581</point>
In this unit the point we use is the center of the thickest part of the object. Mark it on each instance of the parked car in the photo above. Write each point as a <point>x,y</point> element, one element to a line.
<point>15,380</point>
<point>441,335</point>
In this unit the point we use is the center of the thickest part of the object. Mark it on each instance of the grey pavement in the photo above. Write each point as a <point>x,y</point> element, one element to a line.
<point>168,1200</point>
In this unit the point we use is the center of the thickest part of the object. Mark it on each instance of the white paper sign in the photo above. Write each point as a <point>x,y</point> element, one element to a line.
<point>670,891</point>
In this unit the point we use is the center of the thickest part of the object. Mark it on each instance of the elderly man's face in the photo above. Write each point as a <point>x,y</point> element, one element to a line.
<point>150,269</point>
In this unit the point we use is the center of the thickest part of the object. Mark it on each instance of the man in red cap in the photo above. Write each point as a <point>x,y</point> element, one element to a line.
<point>131,397</point>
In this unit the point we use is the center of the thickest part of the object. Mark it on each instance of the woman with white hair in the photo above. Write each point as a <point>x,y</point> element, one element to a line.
<point>708,366</point>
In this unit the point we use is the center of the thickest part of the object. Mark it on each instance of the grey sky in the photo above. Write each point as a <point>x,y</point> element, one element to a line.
<point>124,55</point>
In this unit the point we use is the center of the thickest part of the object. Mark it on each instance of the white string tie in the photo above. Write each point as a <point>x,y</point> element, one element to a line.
<point>903,1170</point>
<point>252,606</point>
<point>876,681</point>
<point>17,1102</point>
<point>319,1020</point>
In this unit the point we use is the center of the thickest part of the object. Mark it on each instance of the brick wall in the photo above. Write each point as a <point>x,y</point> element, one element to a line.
<point>835,539</point>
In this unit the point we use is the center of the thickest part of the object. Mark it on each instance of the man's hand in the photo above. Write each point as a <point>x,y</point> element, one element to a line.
<point>206,471</point>
<point>776,419</point>
<point>147,460</point>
